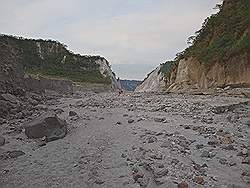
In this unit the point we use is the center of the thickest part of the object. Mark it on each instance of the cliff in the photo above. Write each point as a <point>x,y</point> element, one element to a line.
<point>218,55</point>
<point>45,60</point>
<point>153,82</point>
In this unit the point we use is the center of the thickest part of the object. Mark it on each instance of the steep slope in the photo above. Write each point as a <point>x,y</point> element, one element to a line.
<point>52,59</point>
<point>156,80</point>
<point>153,82</point>
<point>218,54</point>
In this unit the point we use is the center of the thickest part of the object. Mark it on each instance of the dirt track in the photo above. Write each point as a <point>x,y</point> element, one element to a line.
<point>135,140</point>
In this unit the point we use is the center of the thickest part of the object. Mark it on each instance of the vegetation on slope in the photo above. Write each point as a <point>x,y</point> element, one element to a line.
<point>51,58</point>
<point>223,35</point>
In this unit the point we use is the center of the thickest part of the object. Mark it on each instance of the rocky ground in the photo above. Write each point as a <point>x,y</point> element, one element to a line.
<point>127,141</point>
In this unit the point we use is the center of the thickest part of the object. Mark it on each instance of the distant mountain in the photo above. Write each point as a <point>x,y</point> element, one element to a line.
<point>130,85</point>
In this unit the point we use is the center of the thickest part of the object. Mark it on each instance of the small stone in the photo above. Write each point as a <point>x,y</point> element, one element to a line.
<point>199,179</point>
<point>15,153</point>
<point>199,146</point>
<point>187,127</point>
<point>99,181</point>
<point>228,147</point>
<point>72,113</point>
<point>137,175</point>
<point>143,182</point>
<point>131,121</point>
<point>244,151</point>
<point>226,140</point>
<point>213,142</point>
<point>42,144</point>
<point>159,119</point>
<point>166,144</point>
<point>163,180</point>
<point>118,123</point>
<point>2,140</point>
<point>160,172</point>
<point>207,154</point>
<point>246,161</point>
<point>223,161</point>
<point>183,185</point>
<point>152,139</point>
<point>123,155</point>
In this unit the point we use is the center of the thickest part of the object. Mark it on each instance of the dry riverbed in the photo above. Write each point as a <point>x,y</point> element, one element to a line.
<point>131,140</point>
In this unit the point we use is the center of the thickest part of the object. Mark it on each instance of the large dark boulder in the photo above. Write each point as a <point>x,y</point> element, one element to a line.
<point>50,127</point>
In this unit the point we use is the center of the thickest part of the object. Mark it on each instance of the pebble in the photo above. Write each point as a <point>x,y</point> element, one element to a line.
<point>159,119</point>
<point>244,151</point>
<point>2,140</point>
<point>207,154</point>
<point>15,153</point>
<point>199,179</point>
<point>183,185</point>
<point>131,121</point>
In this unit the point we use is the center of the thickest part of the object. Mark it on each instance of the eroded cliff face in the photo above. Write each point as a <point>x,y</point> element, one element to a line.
<point>191,74</point>
<point>154,82</point>
<point>49,65</point>
<point>11,72</point>
<point>218,55</point>
<point>107,72</point>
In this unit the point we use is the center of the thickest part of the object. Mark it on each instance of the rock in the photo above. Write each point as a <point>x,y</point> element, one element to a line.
<point>143,182</point>
<point>131,121</point>
<point>137,175</point>
<point>246,161</point>
<point>5,107</point>
<point>79,103</point>
<point>160,172</point>
<point>228,147</point>
<point>2,140</point>
<point>223,161</point>
<point>99,181</point>
<point>187,126</point>
<point>152,139</point>
<point>123,155</point>
<point>118,123</point>
<point>244,151</point>
<point>10,98</point>
<point>51,127</point>
<point>226,140</point>
<point>72,113</point>
<point>183,185</point>
<point>199,180</point>
<point>32,101</point>
<point>207,154</point>
<point>159,119</point>
<point>166,144</point>
<point>164,180</point>
<point>213,142</point>
<point>15,153</point>
<point>199,146</point>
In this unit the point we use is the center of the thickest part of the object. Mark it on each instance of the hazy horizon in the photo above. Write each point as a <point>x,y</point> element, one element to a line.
<point>135,37</point>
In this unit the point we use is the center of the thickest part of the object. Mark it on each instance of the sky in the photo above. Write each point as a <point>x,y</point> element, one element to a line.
<point>135,36</point>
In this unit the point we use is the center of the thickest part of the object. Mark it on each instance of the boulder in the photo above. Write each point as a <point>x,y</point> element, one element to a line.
<point>50,127</point>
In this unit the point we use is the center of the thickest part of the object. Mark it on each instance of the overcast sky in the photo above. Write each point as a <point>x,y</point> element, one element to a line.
<point>133,35</point>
